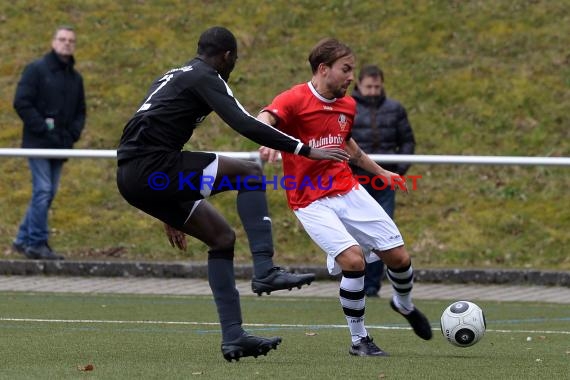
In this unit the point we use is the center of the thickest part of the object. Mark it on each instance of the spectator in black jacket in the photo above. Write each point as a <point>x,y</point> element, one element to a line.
<point>381,126</point>
<point>50,100</point>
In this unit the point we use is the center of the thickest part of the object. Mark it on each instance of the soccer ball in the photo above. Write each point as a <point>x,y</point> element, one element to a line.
<point>463,323</point>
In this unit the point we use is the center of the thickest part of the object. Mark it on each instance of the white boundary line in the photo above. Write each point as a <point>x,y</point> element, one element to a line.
<point>274,325</point>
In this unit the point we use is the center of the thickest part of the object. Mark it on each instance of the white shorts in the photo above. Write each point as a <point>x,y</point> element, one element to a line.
<point>355,218</point>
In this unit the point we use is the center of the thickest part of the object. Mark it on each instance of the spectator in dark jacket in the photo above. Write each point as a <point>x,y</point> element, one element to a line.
<point>380,126</point>
<point>50,100</point>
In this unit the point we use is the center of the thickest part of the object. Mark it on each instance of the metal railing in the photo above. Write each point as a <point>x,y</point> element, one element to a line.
<point>254,156</point>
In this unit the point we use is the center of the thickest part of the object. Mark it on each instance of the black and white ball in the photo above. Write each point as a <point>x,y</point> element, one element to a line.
<point>463,323</point>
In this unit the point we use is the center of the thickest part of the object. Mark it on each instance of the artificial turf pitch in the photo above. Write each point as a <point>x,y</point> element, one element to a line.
<point>67,336</point>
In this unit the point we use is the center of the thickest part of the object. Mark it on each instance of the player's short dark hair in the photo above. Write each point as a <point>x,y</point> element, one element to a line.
<point>327,51</point>
<point>216,40</point>
<point>371,71</point>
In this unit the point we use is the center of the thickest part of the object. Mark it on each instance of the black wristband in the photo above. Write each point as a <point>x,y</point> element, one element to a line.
<point>305,151</point>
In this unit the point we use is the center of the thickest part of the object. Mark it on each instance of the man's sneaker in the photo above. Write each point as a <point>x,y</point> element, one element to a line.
<point>417,320</point>
<point>19,248</point>
<point>53,254</point>
<point>41,252</point>
<point>366,347</point>
<point>249,345</point>
<point>279,279</point>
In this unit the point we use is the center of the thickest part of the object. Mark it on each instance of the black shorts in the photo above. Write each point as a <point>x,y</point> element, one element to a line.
<point>165,185</point>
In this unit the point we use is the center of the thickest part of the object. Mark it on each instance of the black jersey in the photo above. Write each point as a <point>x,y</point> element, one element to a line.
<point>178,101</point>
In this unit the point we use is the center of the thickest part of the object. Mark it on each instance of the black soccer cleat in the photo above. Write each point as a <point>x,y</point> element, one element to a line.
<point>279,279</point>
<point>417,320</point>
<point>366,347</point>
<point>249,345</point>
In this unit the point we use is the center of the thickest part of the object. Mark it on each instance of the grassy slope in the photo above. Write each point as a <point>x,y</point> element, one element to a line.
<point>485,78</point>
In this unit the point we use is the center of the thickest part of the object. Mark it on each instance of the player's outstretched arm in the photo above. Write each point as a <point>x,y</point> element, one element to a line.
<point>334,154</point>
<point>271,155</point>
<point>361,159</point>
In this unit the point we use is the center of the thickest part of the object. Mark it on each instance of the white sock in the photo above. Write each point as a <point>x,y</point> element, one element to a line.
<point>404,303</point>
<point>402,283</point>
<point>352,301</point>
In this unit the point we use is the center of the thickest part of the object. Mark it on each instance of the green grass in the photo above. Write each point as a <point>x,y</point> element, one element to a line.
<point>180,340</point>
<point>478,77</point>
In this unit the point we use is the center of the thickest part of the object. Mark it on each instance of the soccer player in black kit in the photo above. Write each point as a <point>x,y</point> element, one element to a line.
<point>151,145</point>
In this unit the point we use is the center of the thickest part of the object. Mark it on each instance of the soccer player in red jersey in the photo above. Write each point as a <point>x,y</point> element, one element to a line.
<point>341,217</point>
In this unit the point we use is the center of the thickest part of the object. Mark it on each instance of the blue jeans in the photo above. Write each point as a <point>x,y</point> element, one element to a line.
<point>375,271</point>
<point>45,181</point>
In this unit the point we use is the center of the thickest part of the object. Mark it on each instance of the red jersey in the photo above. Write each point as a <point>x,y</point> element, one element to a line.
<point>320,123</point>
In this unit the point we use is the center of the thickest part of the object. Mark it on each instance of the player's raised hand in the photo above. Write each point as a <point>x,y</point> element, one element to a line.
<point>334,154</point>
<point>268,154</point>
<point>395,181</point>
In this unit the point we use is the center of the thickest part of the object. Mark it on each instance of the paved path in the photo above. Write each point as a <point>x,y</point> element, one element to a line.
<point>137,285</point>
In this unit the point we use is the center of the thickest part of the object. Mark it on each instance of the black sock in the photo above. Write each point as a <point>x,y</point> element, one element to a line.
<point>222,282</point>
<point>254,215</point>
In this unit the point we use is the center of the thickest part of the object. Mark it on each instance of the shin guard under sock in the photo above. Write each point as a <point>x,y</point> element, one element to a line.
<point>222,282</point>
<point>353,303</point>
<point>254,215</point>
